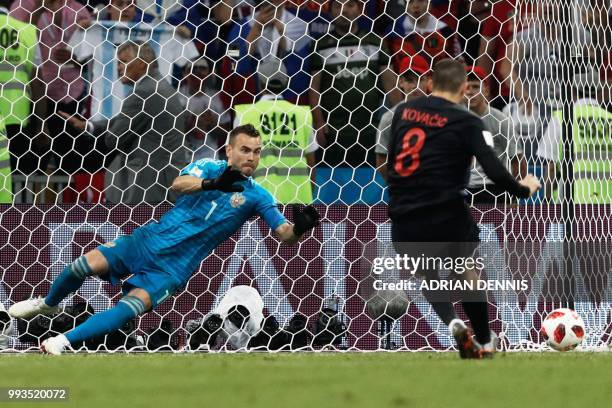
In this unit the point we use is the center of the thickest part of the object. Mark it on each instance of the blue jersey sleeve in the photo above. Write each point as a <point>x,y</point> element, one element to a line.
<point>204,168</point>
<point>268,210</point>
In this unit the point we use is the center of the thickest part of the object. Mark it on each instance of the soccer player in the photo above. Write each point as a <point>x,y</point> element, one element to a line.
<point>433,142</point>
<point>217,197</point>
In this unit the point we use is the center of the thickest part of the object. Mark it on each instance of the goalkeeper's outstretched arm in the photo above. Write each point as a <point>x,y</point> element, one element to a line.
<point>304,220</point>
<point>286,234</point>
<point>225,182</point>
<point>187,184</point>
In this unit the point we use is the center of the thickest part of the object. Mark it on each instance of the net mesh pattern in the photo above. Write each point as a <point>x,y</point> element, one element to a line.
<point>103,102</point>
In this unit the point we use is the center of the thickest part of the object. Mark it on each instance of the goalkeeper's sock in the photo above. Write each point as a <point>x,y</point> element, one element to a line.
<point>108,321</point>
<point>478,313</point>
<point>70,280</point>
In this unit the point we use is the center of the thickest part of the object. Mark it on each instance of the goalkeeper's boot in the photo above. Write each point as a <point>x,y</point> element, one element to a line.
<point>54,345</point>
<point>32,307</point>
<point>467,346</point>
<point>488,349</point>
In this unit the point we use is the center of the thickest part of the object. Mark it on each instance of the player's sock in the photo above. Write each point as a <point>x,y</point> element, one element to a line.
<point>71,279</point>
<point>444,310</point>
<point>108,321</point>
<point>478,313</point>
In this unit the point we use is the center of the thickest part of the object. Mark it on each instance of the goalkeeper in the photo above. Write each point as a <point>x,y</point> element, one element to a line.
<point>217,197</point>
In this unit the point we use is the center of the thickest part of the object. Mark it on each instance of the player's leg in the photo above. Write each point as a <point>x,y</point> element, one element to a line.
<point>93,263</point>
<point>462,236</point>
<point>70,280</point>
<point>408,238</point>
<point>440,300</point>
<point>145,290</point>
<point>136,302</point>
<point>476,308</point>
<point>443,230</point>
<point>475,302</point>
<point>464,336</point>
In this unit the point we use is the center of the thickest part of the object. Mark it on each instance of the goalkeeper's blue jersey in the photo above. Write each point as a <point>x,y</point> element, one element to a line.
<point>201,221</point>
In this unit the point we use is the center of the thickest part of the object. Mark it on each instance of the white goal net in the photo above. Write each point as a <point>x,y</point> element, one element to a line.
<point>92,140</point>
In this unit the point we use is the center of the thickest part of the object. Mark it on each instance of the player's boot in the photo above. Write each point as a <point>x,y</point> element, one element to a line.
<point>467,346</point>
<point>488,349</point>
<point>32,307</point>
<point>54,345</point>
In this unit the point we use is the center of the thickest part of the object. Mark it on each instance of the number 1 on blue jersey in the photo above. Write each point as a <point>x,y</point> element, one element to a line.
<point>214,205</point>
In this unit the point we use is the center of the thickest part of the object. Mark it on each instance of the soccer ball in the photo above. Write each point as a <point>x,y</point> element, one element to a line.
<point>563,329</point>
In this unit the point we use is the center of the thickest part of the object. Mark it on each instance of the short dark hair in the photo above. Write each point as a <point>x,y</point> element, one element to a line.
<point>448,75</point>
<point>247,129</point>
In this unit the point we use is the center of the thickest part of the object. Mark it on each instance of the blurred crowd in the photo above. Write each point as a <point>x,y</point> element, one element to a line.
<point>70,113</point>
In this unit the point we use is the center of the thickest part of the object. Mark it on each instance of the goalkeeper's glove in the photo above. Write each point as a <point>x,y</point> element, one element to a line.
<point>304,220</point>
<point>225,182</point>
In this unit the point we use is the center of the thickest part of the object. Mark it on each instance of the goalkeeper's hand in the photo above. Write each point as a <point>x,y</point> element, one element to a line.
<point>304,220</point>
<point>225,182</point>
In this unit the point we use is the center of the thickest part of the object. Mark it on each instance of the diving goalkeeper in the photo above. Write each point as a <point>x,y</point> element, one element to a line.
<point>217,197</point>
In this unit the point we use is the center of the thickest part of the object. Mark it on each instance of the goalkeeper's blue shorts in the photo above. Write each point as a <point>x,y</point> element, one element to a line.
<point>127,255</point>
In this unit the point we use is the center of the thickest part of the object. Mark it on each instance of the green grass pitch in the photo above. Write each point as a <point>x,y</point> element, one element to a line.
<point>581,380</point>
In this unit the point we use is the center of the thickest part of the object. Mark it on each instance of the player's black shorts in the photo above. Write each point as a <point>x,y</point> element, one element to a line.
<point>447,222</point>
<point>446,230</point>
